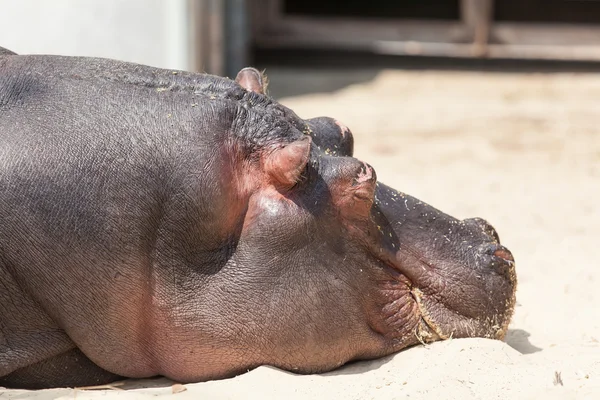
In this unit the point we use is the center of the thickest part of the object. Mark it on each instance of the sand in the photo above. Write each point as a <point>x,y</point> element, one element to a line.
<point>519,149</point>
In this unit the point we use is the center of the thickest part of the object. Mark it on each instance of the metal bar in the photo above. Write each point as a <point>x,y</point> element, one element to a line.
<point>196,41</point>
<point>360,31</point>
<point>436,38</point>
<point>477,16</point>
<point>216,33</point>
<point>236,38</point>
<point>546,34</point>
<point>511,51</point>
<point>207,28</point>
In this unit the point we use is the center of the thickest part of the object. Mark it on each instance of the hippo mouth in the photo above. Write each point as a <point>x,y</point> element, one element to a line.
<point>433,327</point>
<point>427,331</point>
<point>441,317</point>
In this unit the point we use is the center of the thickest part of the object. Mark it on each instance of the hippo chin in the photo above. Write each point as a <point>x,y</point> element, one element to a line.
<point>158,222</point>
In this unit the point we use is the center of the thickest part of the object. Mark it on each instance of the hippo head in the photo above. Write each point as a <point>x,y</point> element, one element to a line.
<point>421,275</point>
<point>157,222</point>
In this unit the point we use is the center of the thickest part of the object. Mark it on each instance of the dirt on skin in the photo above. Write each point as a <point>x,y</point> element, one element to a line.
<point>521,150</point>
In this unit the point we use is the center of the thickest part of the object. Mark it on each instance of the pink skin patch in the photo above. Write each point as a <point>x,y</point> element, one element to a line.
<point>343,128</point>
<point>366,183</point>
<point>365,175</point>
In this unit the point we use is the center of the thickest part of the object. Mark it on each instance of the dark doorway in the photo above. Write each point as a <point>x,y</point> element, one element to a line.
<point>419,9</point>
<point>550,11</point>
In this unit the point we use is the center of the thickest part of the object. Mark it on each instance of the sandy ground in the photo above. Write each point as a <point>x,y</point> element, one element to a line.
<point>522,151</point>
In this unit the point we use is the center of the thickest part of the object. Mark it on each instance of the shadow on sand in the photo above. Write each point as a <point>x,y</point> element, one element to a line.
<point>518,339</point>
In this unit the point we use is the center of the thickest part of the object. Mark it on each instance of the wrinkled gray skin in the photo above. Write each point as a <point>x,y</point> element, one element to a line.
<point>155,222</point>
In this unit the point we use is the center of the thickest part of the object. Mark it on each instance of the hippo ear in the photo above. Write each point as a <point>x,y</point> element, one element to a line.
<point>252,80</point>
<point>286,164</point>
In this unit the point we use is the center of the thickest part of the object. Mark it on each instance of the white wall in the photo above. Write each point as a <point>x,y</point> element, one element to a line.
<point>152,32</point>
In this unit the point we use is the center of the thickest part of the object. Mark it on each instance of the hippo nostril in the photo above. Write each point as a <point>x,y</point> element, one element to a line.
<point>497,250</point>
<point>503,253</point>
<point>500,259</point>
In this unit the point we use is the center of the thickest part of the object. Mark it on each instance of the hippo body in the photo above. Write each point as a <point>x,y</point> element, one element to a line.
<point>157,222</point>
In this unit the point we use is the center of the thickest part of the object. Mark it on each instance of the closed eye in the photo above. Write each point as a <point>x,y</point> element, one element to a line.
<point>309,174</point>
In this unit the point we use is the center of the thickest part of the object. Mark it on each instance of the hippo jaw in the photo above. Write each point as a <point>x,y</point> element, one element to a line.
<point>461,280</point>
<point>447,323</point>
<point>440,323</point>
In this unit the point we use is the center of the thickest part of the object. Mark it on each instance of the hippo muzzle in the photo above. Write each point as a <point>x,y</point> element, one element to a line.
<point>459,274</point>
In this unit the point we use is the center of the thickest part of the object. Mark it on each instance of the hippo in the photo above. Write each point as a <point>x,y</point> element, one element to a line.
<point>167,223</point>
